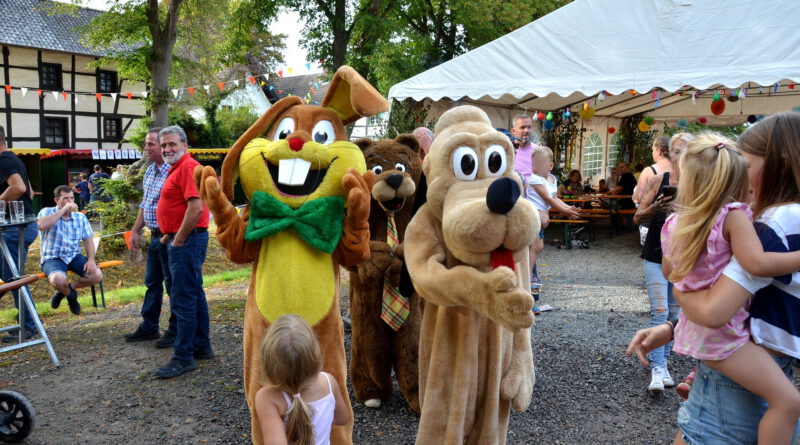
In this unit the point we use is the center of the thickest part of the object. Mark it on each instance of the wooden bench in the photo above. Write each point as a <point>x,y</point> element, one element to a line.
<point>591,215</point>
<point>102,265</point>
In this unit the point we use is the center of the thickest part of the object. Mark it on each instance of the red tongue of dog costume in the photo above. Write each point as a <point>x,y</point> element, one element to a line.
<point>502,257</point>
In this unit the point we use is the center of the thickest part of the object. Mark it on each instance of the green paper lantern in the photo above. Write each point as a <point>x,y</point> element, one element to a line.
<point>550,116</point>
<point>649,120</point>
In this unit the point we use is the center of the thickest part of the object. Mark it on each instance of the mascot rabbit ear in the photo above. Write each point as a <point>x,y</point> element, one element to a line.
<point>351,97</point>
<point>230,166</point>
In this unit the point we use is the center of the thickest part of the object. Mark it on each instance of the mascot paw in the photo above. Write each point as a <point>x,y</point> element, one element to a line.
<point>205,179</point>
<point>373,403</point>
<point>508,305</point>
<point>517,388</point>
<point>357,189</point>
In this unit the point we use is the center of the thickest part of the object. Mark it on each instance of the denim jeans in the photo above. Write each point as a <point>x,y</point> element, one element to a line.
<point>720,412</point>
<point>156,276</point>
<point>187,298</point>
<point>12,241</point>
<point>663,307</point>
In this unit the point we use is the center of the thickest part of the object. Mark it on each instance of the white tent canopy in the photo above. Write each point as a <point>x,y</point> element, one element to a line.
<point>665,50</point>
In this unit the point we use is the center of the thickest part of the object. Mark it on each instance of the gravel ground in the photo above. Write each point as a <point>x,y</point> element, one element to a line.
<point>586,390</point>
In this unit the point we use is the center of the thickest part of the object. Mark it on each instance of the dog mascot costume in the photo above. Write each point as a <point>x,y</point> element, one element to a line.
<point>385,322</point>
<point>308,191</point>
<point>467,253</point>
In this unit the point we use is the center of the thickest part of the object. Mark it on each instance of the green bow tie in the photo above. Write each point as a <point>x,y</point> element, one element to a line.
<point>318,222</point>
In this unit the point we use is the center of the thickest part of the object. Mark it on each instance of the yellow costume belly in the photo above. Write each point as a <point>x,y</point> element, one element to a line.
<point>294,278</point>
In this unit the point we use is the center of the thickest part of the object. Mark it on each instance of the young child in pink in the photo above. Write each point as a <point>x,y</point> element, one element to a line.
<point>709,226</point>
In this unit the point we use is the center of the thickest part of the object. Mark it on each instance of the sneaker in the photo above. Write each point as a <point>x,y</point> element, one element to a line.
<point>536,310</point>
<point>141,335</point>
<point>13,336</point>
<point>175,368</point>
<point>55,299</point>
<point>166,340</point>
<point>72,301</point>
<point>203,355</point>
<point>656,380</point>
<point>667,379</point>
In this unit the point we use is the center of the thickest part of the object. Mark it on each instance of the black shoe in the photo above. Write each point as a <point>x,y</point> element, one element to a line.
<point>166,340</point>
<point>141,335</point>
<point>13,336</point>
<point>55,300</point>
<point>203,355</point>
<point>72,300</point>
<point>175,368</point>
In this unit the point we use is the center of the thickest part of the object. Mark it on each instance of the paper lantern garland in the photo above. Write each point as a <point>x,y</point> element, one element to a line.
<point>643,127</point>
<point>548,125</point>
<point>612,130</point>
<point>703,120</point>
<point>540,116</point>
<point>649,120</point>
<point>718,107</point>
<point>587,112</point>
<point>683,123</point>
<point>752,119</point>
<point>550,115</point>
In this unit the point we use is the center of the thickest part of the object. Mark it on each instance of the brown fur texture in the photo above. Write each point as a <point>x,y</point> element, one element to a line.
<point>475,353</point>
<point>348,95</point>
<point>375,347</point>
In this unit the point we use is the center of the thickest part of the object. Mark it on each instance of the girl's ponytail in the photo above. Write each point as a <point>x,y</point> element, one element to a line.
<point>299,430</point>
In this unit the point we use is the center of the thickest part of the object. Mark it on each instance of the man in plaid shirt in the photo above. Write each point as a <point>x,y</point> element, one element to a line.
<point>62,228</point>
<point>157,269</point>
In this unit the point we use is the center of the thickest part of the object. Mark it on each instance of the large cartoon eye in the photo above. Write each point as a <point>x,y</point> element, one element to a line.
<point>400,166</point>
<point>285,128</point>
<point>495,160</point>
<point>377,169</point>
<point>323,133</point>
<point>465,163</point>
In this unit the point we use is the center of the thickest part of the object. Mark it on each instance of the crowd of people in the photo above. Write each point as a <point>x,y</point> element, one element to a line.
<point>720,218</point>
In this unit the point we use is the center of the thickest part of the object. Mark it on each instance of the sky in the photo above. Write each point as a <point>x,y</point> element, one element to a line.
<point>286,23</point>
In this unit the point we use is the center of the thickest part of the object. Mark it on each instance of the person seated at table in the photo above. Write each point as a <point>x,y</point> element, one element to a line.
<point>602,187</point>
<point>62,228</point>
<point>613,178</point>
<point>625,186</point>
<point>572,186</point>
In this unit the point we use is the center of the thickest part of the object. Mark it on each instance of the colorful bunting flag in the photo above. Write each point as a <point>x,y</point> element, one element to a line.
<point>191,91</point>
<point>252,80</point>
<point>221,86</point>
<point>144,94</point>
<point>280,74</point>
<point>55,95</point>
<point>40,92</point>
<point>8,89</point>
<point>130,95</point>
<point>290,71</point>
<point>175,92</point>
<point>99,96</point>
<point>64,95</point>
<point>207,88</point>
<point>114,96</point>
<point>236,82</point>
<point>308,66</point>
<point>24,91</point>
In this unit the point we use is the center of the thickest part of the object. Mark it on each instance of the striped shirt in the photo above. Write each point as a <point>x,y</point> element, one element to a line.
<point>775,312</point>
<point>63,239</point>
<point>153,180</point>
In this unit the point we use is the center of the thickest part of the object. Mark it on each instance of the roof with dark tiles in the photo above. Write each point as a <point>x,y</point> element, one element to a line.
<point>30,23</point>
<point>300,86</point>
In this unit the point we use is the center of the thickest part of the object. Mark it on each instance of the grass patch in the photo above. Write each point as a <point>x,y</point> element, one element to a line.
<point>121,296</point>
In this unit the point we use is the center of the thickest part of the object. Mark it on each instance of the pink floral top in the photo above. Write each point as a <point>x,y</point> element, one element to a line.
<point>690,338</point>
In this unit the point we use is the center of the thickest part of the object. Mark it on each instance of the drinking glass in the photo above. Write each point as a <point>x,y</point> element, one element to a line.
<point>2,212</point>
<point>19,210</point>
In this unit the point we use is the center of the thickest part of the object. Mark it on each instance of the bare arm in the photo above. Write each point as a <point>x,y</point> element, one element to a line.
<point>136,231</point>
<point>341,415</point>
<point>555,202</point>
<point>46,222</point>
<point>269,417</point>
<point>750,253</point>
<point>16,188</point>
<point>194,208</point>
<point>649,204</point>
<point>713,307</point>
<point>91,264</point>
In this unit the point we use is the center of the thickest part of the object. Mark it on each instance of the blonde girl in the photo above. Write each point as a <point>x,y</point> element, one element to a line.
<point>710,225</point>
<point>299,403</point>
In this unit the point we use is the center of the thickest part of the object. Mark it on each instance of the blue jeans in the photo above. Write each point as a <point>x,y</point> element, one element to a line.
<point>187,298</point>
<point>720,412</point>
<point>156,276</point>
<point>12,241</point>
<point>663,307</point>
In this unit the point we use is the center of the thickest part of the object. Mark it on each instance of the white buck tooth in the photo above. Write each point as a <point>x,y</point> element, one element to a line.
<point>293,171</point>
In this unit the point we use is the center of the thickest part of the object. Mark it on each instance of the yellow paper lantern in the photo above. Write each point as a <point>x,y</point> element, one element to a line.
<point>643,127</point>
<point>587,112</point>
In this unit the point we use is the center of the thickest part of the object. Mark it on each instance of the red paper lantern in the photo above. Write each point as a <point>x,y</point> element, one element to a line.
<point>612,130</point>
<point>718,107</point>
<point>702,120</point>
<point>541,116</point>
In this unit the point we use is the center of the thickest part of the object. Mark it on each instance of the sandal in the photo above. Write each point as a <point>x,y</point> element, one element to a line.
<point>685,387</point>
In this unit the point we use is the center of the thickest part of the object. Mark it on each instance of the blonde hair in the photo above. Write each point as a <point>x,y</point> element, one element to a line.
<point>290,360</point>
<point>543,150</point>
<point>713,173</point>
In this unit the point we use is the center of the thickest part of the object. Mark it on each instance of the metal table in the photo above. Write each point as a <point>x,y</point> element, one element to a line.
<point>24,294</point>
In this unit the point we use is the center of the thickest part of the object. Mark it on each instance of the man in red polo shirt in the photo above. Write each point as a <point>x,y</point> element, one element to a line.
<point>183,219</point>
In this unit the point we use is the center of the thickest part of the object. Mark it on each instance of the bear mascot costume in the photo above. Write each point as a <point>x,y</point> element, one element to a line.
<point>385,323</point>
<point>308,191</point>
<point>467,252</point>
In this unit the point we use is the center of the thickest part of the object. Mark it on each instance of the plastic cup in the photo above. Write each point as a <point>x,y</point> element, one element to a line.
<point>2,212</point>
<point>19,211</point>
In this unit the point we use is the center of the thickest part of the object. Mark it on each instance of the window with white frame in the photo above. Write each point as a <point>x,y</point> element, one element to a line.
<point>593,156</point>
<point>613,153</point>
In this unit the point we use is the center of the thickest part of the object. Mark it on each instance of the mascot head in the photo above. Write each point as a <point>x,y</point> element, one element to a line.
<point>474,190</point>
<point>298,153</point>
<point>397,169</point>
